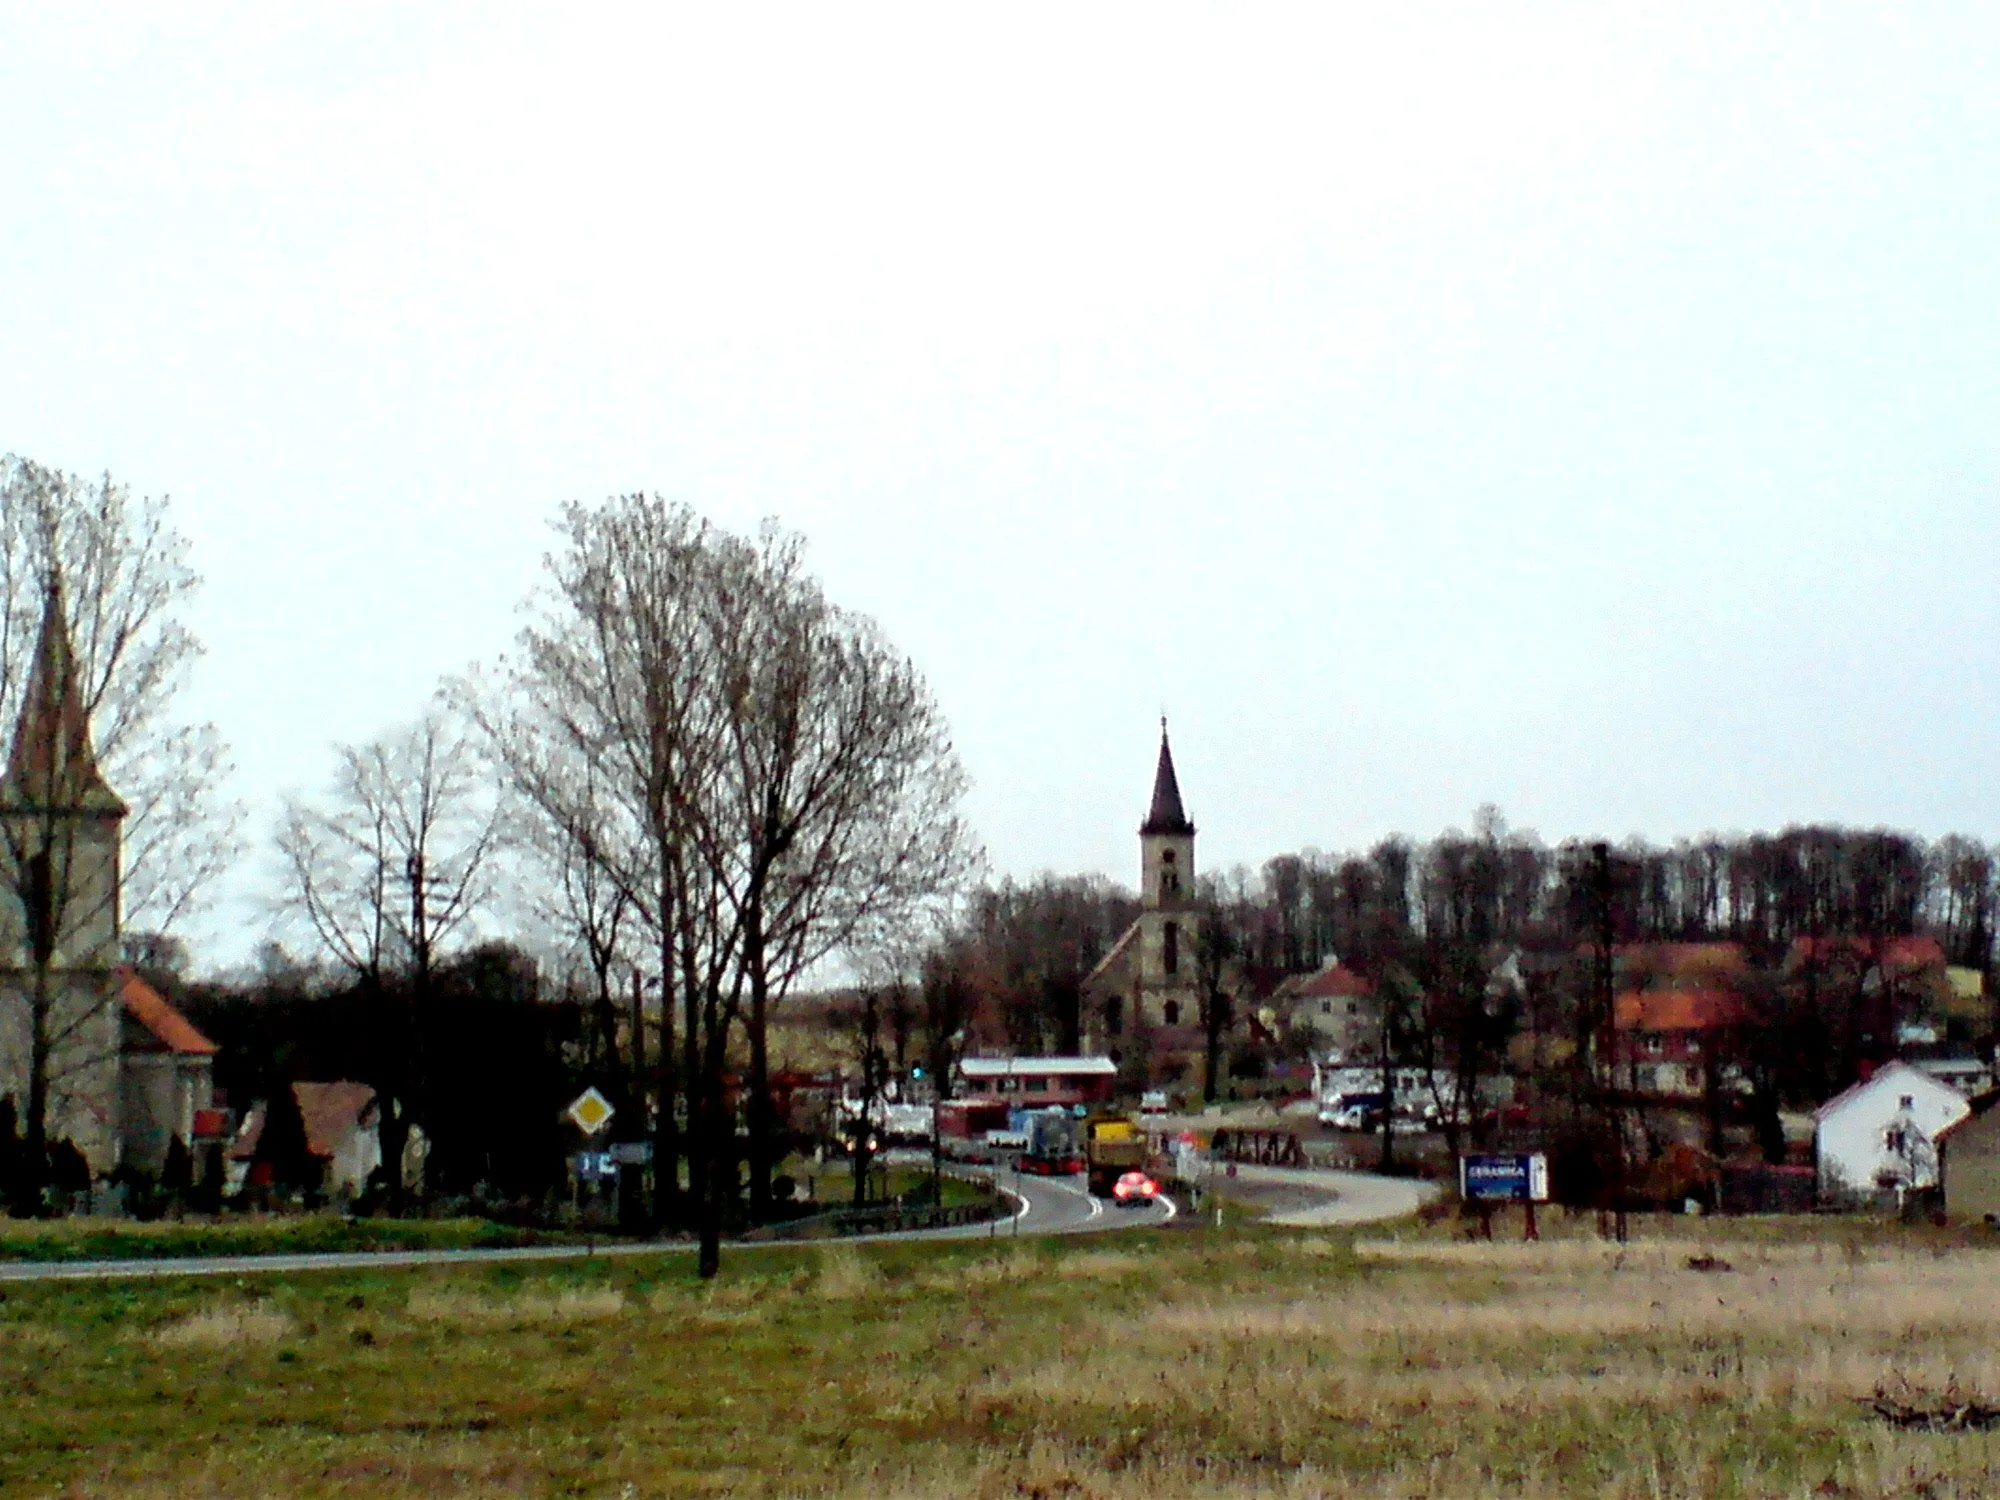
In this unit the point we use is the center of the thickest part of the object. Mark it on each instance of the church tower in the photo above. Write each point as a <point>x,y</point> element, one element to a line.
<point>1149,985</point>
<point>59,907</point>
<point>1166,879</point>
<point>63,822</point>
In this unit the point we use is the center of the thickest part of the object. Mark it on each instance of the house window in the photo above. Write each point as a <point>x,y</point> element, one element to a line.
<point>1173,955</point>
<point>1171,1011</point>
<point>1326,1007</point>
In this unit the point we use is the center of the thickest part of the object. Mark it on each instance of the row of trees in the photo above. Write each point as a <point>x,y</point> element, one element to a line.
<point>713,780</point>
<point>1496,884</point>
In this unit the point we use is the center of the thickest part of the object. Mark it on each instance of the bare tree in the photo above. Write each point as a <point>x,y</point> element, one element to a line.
<point>1217,949</point>
<point>780,783</point>
<point>92,657</point>
<point>388,871</point>
<point>845,789</point>
<point>860,1027</point>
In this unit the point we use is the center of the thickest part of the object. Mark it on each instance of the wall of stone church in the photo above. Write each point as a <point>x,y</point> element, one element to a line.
<point>1153,864</point>
<point>83,1012</point>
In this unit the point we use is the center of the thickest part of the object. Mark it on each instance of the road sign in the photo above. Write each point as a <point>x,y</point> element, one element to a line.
<point>632,1153</point>
<point>591,1111</point>
<point>594,1166</point>
<point>1514,1177</point>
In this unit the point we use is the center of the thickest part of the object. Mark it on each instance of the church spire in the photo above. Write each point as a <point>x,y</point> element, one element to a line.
<point>52,767</point>
<point>1166,814</point>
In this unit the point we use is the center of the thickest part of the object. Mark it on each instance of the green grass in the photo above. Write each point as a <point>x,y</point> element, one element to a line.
<point>123,1239</point>
<point>1246,1361</point>
<point>834,1184</point>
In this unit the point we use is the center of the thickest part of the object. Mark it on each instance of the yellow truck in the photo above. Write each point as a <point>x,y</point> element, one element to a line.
<point>1113,1146</point>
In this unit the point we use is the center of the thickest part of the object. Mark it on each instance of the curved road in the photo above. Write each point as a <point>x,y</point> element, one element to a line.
<point>1045,1205</point>
<point>1351,1197</point>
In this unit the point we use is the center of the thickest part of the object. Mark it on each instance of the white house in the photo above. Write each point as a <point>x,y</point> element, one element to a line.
<point>1879,1137</point>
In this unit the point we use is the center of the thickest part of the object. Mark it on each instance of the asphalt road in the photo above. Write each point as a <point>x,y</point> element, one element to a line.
<point>1044,1205</point>
<point>1326,1199</point>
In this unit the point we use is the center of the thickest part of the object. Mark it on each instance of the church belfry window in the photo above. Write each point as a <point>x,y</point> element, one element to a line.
<point>38,895</point>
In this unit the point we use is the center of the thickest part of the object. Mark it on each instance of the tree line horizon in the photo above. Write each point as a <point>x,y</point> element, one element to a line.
<point>695,781</point>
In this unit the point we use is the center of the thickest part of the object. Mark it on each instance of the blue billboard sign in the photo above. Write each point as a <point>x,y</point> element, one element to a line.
<point>1507,1177</point>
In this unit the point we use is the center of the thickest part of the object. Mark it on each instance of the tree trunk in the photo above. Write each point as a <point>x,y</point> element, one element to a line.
<point>719,1144</point>
<point>32,1174</point>
<point>757,1102</point>
<point>392,1130</point>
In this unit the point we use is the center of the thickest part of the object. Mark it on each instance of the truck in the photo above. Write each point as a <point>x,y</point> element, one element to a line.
<point>1051,1149</point>
<point>1113,1146</point>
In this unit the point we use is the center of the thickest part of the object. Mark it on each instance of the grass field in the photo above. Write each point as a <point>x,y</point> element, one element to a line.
<point>1249,1361</point>
<point>250,1234</point>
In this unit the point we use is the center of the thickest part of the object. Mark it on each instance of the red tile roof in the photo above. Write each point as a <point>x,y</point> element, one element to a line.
<point>1332,983</point>
<point>330,1111</point>
<point>1904,955</point>
<point>169,1029</point>
<point>1678,1010</point>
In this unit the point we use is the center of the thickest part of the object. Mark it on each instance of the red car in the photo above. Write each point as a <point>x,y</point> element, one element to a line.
<point>1135,1189</point>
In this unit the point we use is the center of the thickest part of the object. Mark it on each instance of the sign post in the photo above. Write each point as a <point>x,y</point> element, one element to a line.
<point>1511,1177</point>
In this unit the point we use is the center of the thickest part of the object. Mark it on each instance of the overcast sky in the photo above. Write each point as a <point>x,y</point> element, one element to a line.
<point>1587,410</point>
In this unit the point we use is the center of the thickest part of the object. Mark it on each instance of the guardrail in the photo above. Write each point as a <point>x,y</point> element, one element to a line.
<point>879,1218</point>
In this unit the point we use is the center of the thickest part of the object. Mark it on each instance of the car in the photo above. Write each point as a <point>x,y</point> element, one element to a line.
<point>1134,1190</point>
<point>1355,1112</point>
<point>1153,1102</point>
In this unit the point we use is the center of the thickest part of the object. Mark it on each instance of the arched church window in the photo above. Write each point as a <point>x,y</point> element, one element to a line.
<point>1114,1015</point>
<point>1172,959</point>
<point>1171,1012</point>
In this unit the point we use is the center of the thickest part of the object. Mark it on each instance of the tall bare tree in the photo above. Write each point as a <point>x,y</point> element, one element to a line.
<point>388,871</point>
<point>845,788</point>
<point>93,655</point>
<point>780,781</point>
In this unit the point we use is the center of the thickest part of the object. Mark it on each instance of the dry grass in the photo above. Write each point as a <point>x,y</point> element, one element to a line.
<point>1248,1363</point>
<point>843,1273</point>
<point>457,1309</point>
<point>227,1327</point>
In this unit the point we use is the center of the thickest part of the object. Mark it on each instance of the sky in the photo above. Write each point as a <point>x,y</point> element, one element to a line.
<point>1583,409</point>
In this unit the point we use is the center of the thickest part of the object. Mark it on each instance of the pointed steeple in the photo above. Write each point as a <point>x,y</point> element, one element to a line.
<point>1166,814</point>
<point>52,767</point>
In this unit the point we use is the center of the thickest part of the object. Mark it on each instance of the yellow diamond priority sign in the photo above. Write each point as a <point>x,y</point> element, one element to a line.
<point>591,1111</point>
